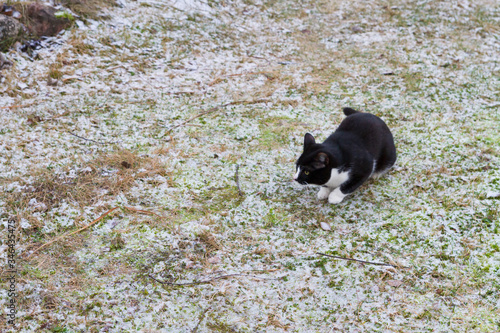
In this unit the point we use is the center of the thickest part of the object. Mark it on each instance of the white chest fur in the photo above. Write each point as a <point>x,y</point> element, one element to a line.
<point>337,178</point>
<point>297,174</point>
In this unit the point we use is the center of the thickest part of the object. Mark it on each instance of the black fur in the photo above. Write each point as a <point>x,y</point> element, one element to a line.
<point>361,139</point>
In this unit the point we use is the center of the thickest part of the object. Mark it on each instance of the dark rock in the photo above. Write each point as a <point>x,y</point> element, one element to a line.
<point>10,32</point>
<point>41,20</point>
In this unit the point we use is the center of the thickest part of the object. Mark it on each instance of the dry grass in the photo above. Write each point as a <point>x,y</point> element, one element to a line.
<point>107,175</point>
<point>211,243</point>
<point>41,271</point>
<point>92,9</point>
<point>79,46</point>
<point>55,71</point>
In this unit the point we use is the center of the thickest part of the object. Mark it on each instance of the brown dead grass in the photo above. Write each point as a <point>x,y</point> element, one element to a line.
<point>55,71</point>
<point>274,319</point>
<point>108,175</point>
<point>211,243</point>
<point>79,46</point>
<point>68,269</point>
<point>92,9</point>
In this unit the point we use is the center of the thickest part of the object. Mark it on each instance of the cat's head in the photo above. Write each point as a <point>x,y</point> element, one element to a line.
<point>314,166</point>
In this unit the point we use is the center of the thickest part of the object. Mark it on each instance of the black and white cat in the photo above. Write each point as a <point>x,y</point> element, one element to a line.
<point>361,147</point>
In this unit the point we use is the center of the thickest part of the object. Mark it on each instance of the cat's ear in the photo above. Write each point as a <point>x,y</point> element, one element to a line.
<point>309,140</point>
<point>321,160</point>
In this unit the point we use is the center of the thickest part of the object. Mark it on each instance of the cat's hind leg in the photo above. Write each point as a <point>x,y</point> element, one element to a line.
<point>386,159</point>
<point>377,175</point>
<point>324,192</point>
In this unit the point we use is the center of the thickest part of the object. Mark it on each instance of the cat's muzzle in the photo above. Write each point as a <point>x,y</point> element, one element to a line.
<point>301,182</point>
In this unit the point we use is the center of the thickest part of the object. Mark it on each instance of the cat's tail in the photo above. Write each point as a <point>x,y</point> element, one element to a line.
<point>349,111</point>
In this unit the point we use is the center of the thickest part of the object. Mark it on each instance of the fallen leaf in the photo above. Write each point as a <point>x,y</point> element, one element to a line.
<point>214,260</point>
<point>394,283</point>
<point>325,226</point>
<point>33,120</point>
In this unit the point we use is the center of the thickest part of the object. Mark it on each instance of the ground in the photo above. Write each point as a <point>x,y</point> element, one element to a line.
<point>187,117</point>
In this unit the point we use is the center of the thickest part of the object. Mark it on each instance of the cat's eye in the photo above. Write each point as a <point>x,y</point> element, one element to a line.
<point>306,173</point>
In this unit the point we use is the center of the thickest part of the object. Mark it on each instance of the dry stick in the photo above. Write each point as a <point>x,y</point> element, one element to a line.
<point>58,115</point>
<point>142,211</point>
<point>362,261</point>
<point>210,280</point>
<point>236,178</point>
<point>217,80</point>
<point>195,329</point>
<point>81,137</point>
<point>266,270</point>
<point>256,57</point>
<point>74,232</point>
<point>216,108</point>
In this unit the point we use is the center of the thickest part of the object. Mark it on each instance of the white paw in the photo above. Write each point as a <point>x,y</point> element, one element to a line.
<point>336,196</point>
<point>323,193</point>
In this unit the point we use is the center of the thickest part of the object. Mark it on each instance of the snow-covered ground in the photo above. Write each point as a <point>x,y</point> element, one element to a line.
<point>155,109</point>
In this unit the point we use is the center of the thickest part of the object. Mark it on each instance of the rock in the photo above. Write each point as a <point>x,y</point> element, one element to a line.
<point>41,20</point>
<point>7,10</point>
<point>356,29</point>
<point>10,11</point>
<point>10,32</point>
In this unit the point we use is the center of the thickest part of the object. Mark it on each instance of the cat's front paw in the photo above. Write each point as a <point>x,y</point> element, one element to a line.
<point>336,196</point>
<point>323,193</point>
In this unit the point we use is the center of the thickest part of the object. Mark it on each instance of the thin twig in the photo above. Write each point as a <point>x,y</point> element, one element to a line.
<point>256,57</point>
<point>195,329</point>
<point>81,137</point>
<point>236,178</point>
<point>209,280</point>
<point>219,79</point>
<point>58,115</point>
<point>266,270</point>
<point>216,108</point>
<point>74,232</point>
<point>142,211</point>
<point>362,261</point>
